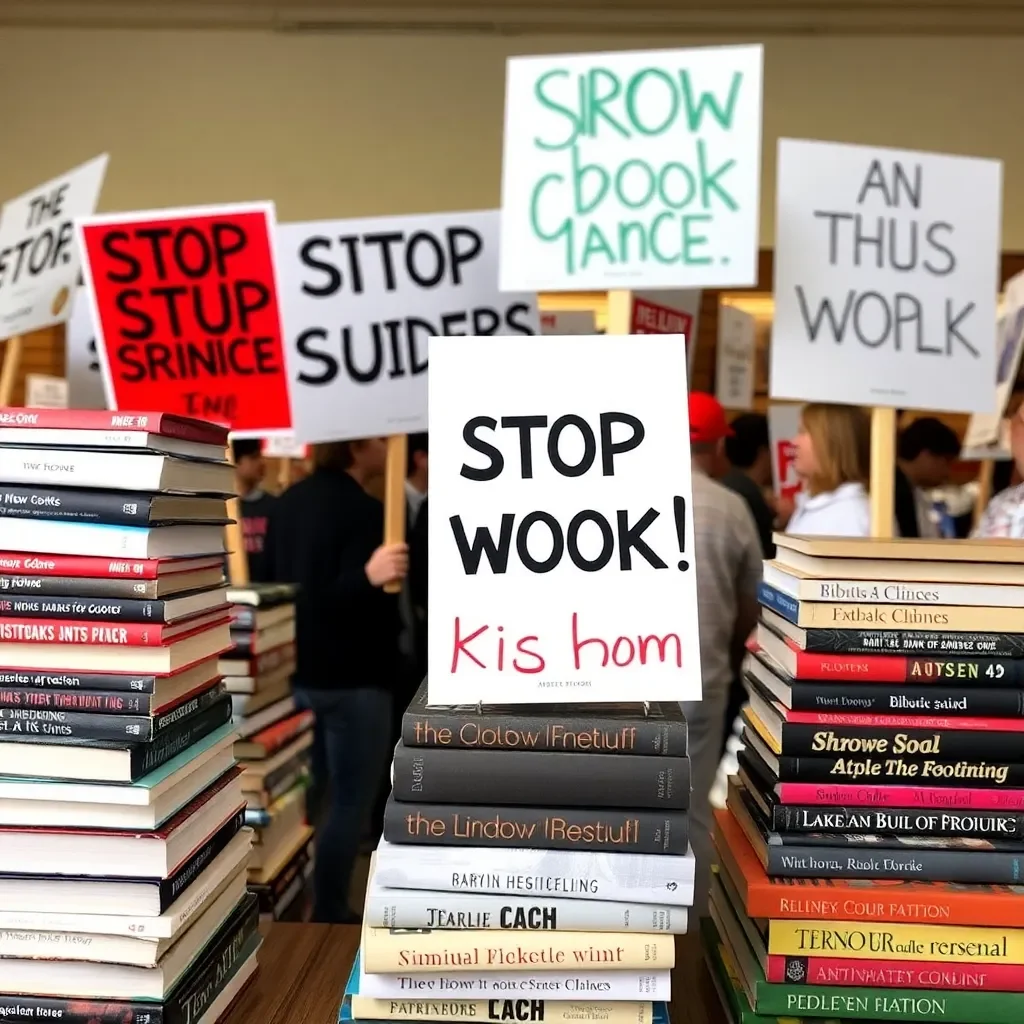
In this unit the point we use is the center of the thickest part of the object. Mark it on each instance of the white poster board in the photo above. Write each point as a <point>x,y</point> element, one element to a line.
<point>734,373</point>
<point>39,256</point>
<point>565,322</point>
<point>82,364</point>
<point>45,392</point>
<point>283,446</point>
<point>361,300</point>
<point>632,170</point>
<point>561,527</point>
<point>886,276</point>
<point>783,426</point>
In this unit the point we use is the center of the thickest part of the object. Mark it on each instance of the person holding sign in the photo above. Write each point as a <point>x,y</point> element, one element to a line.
<point>833,451</point>
<point>324,535</point>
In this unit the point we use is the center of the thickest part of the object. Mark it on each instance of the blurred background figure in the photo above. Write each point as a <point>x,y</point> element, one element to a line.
<point>255,504</point>
<point>925,453</point>
<point>748,450</point>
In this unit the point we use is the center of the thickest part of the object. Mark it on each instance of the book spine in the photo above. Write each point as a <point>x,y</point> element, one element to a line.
<point>909,743</point>
<point>885,668</point>
<point>902,796</point>
<point>44,631</point>
<point>171,888</point>
<point>563,985</point>
<point>571,733</point>
<point>147,757</point>
<point>903,942</point>
<point>609,830</point>
<point>884,722</point>
<point>63,504</point>
<point>86,587</point>
<point>384,951</point>
<point>895,700</point>
<point>905,1005</point>
<point>986,867</point>
<point>243,617</point>
<point>78,681</point>
<point>397,908</point>
<point>79,565</point>
<point>112,702</point>
<point>79,1011</point>
<point>882,641</point>
<point>868,770</point>
<point>79,468</point>
<point>567,874</point>
<point>897,822</point>
<point>84,608</point>
<point>539,778</point>
<point>887,592</point>
<point>199,431</point>
<point>538,1010</point>
<point>813,970</point>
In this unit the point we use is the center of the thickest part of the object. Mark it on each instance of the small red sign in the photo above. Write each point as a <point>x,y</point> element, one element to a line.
<point>187,314</point>
<point>790,485</point>
<point>650,318</point>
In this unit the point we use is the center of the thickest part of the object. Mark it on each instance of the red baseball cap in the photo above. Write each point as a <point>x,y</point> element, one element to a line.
<point>707,419</point>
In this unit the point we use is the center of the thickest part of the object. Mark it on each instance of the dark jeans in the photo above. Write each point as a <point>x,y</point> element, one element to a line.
<point>737,698</point>
<point>351,754</point>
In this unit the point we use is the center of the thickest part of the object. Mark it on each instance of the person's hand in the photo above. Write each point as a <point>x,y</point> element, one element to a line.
<point>388,564</point>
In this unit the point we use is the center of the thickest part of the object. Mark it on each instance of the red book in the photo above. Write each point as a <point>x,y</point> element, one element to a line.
<point>118,634</point>
<point>167,425</point>
<point>20,563</point>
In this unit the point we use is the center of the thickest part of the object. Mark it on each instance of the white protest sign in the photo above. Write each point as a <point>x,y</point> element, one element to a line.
<point>783,426</point>
<point>362,298</point>
<point>283,446</point>
<point>668,312</point>
<point>45,392</point>
<point>632,170</point>
<point>983,429</point>
<point>561,527</point>
<point>85,378</point>
<point>734,374</point>
<point>886,275</point>
<point>566,322</point>
<point>39,257</point>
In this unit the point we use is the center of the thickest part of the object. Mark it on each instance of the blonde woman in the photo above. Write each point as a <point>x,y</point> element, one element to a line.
<point>832,453</point>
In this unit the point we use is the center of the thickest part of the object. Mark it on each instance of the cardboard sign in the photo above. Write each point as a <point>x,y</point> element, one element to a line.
<point>45,392</point>
<point>667,312</point>
<point>81,360</point>
<point>364,297</point>
<point>886,276</point>
<point>632,170</point>
<point>186,308</point>
<point>561,528</point>
<point>39,257</point>
<point>734,373</point>
<point>284,447</point>
<point>566,322</point>
<point>783,426</point>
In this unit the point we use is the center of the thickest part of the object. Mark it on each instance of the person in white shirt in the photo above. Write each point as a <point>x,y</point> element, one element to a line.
<point>1004,516</point>
<point>832,453</point>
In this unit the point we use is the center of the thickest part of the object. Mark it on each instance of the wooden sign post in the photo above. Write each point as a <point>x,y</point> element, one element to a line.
<point>234,538</point>
<point>394,496</point>
<point>9,372</point>
<point>883,472</point>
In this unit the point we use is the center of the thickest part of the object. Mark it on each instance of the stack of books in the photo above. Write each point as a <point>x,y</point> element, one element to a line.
<point>873,837</point>
<point>123,849</point>
<point>275,741</point>
<point>533,858</point>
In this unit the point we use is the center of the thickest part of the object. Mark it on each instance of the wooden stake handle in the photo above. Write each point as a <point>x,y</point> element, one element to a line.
<point>284,473</point>
<point>234,538</point>
<point>394,496</point>
<point>883,471</point>
<point>9,372</point>
<point>985,475</point>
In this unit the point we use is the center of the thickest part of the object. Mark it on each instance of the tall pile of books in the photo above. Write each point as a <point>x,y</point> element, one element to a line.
<point>871,850</point>
<point>538,857</point>
<point>275,742</point>
<point>122,844</point>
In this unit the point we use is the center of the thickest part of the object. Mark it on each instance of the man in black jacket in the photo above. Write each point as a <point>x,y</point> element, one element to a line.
<point>325,535</point>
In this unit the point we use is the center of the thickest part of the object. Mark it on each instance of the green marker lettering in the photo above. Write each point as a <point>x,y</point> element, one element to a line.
<point>596,244</point>
<point>633,102</point>
<point>580,173</point>
<point>656,225</point>
<point>599,99</point>
<point>546,101</point>
<point>696,106</point>
<point>709,183</point>
<point>689,240</point>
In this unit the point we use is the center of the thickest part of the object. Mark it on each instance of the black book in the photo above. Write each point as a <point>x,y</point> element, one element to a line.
<point>539,778</point>
<point>112,508</point>
<point>263,595</point>
<point>588,728</point>
<point>927,859</point>
<point>81,608</point>
<point>601,829</point>
<point>124,682</point>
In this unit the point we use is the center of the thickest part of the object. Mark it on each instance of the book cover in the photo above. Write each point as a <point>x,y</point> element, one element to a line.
<point>113,508</point>
<point>100,568</point>
<point>111,610</point>
<point>539,778</point>
<point>166,424</point>
<point>120,634</point>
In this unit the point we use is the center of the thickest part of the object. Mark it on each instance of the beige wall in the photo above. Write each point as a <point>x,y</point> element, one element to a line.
<point>338,125</point>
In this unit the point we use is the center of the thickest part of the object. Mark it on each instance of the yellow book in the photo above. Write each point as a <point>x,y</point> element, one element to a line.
<point>919,617</point>
<point>868,940</point>
<point>364,1008</point>
<point>391,951</point>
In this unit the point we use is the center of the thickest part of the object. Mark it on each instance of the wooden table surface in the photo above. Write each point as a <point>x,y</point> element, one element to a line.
<point>304,967</point>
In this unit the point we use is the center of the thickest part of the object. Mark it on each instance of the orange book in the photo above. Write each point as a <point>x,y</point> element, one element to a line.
<point>840,899</point>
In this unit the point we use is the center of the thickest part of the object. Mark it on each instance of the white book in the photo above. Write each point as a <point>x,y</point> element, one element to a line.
<point>411,908</point>
<point>586,986</point>
<point>96,540</point>
<point>59,437</point>
<point>568,874</point>
<point>802,587</point>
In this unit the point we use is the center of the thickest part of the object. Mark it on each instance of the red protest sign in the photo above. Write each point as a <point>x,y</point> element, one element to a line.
<point>650,318</point>
<point>186,311</point>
